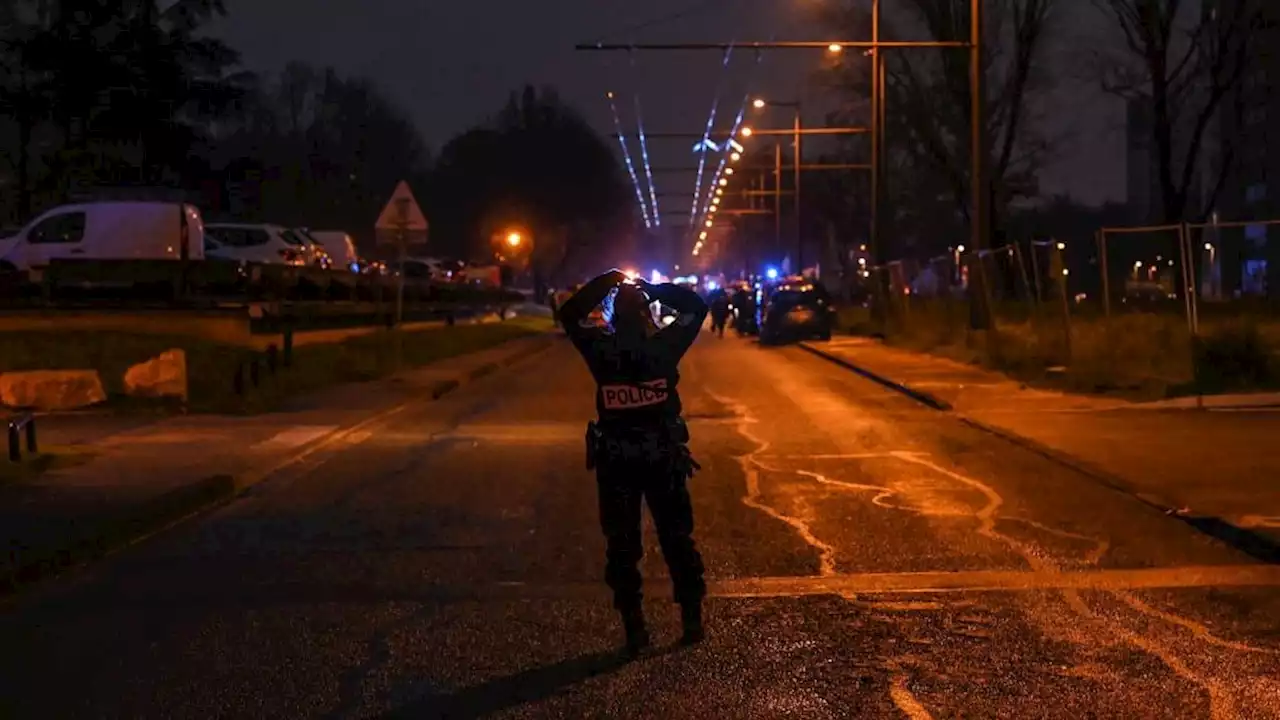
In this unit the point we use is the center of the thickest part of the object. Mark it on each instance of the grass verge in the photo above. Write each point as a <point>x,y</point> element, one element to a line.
<point>212,368</point>
<point>1139,356</point>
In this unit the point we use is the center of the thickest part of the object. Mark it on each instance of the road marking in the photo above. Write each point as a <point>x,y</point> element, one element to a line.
<point>1044,573</point>
<point>1194,576</point>
<point>751,472</point>
<point>836,456</point>
<point>901,695</point>
<point>294,437</point>
<point>520,434</point>
<point>168,438</point>
<point>1200,631</point>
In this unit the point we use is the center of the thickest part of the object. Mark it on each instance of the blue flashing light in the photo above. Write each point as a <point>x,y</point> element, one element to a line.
<point>655,277</point>
<point>711,285</point>
<point>771,273</point>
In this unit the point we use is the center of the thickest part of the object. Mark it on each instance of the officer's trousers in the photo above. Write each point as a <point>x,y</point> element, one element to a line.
<point>623,487</point>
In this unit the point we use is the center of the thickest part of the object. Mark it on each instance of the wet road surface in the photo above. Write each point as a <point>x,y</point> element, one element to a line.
<point>869,558</point>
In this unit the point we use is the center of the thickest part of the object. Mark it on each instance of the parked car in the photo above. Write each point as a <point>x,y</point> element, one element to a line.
<point>482,275</point>
<point>421,268</point>
<point>107,231</point>
<point>261,243</point>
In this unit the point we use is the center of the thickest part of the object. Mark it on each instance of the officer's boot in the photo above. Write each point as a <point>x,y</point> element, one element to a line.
<point>691,618</point>
<point>637,633</point>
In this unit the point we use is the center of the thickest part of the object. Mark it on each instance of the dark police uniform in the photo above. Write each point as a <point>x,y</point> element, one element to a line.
<point>639,444</point>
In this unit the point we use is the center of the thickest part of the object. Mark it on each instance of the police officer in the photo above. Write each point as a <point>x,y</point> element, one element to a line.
<point>639,447</point>
<point>719,311</point>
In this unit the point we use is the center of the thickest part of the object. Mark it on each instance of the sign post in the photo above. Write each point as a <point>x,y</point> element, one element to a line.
<point>401,222</point>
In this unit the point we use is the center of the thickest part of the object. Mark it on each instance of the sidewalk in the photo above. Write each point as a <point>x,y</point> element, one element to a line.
<point>1206,466</point>
<point>142,473</point>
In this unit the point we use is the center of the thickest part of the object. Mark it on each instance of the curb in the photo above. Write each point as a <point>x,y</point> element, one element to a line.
<point>1241,539</point>
<point>917,395</point>
<point>136,523</point>
<point>1106,479</point>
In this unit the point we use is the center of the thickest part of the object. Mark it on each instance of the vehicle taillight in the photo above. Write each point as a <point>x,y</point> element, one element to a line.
<point>291,256</point>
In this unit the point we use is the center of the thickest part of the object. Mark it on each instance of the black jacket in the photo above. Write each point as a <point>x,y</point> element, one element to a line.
<point>636,377</point>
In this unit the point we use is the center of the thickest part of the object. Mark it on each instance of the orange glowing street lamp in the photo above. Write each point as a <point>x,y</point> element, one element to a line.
<point>514,239</point>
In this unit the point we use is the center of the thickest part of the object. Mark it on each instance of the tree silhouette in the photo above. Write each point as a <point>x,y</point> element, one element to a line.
<point>536,165</point>
<point>314,148</point>
<point>119,93</point>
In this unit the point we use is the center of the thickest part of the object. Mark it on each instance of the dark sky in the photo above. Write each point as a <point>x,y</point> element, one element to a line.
<point>451,63</point>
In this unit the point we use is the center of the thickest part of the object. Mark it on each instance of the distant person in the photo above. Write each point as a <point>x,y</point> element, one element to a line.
<point>719,312</point>
<point>550,301</point>
<point>639,444</point>
<point>745,303</point>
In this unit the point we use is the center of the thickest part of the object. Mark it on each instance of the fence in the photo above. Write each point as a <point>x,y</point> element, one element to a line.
<point>1134,309</point>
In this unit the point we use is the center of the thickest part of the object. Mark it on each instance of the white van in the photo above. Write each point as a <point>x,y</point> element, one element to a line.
<point>107,231</point>
<point>339,246</point>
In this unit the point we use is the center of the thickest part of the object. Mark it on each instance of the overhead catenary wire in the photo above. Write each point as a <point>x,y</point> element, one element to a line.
<point>662,19</point>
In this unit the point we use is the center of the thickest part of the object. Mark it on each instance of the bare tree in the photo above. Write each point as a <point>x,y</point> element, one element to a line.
<point>1185,60</point>
<point>929,106</point>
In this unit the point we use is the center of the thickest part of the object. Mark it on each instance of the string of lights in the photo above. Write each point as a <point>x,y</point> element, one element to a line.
<point>706,143</point>
<point>626,156</point>
<point>644,156</point>
<point>720,169</point>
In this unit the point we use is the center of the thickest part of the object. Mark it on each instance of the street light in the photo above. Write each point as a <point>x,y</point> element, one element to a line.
<point>835,48</point>
<point>735,157</point>
<point>745,132</point>
<point>514,239</point>
<point>795,191</point>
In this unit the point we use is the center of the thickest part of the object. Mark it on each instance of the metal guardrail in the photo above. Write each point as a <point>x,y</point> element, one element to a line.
<point>212,284</point>
<point>16,425</point>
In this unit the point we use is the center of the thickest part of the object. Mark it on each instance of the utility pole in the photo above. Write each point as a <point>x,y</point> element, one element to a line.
<point>877,246</point>
<point>979,306</point>
<point>795,203</point>
<point>777,197</point>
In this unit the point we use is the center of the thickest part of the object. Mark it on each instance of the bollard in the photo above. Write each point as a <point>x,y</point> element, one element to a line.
<point>16,426</point>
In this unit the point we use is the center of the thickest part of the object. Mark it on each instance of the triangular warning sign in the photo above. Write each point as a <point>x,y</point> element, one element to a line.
<point>402,212</point>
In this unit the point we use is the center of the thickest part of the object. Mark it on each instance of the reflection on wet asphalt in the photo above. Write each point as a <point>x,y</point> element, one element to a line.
<point>868,558</point>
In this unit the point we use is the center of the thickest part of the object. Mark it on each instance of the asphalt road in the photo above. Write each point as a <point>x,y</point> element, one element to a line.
<point>870,558</point>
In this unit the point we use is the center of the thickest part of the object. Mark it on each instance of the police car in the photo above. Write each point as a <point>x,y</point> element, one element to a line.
<point>796,308</point>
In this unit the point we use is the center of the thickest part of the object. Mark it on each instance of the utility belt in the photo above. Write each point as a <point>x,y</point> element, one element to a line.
<point>654,445</point>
